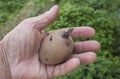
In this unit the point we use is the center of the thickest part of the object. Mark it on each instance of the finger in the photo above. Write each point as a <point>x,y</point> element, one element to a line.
<point>83,32</point>
<point>42,21</point>
<point>86,46</point>
<point>86,58</point>
<point>66,67</point>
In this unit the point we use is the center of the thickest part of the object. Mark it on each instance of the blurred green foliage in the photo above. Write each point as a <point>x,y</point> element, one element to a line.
<point>8,7</point>
<point>102,15</point>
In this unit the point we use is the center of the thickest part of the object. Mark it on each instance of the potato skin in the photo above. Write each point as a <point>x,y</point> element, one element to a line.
<point>55,49</point>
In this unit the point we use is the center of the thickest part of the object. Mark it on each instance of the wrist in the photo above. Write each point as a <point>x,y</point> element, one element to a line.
<point>4,64</point>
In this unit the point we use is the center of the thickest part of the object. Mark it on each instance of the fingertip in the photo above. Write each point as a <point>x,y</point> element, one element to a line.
<point>73,63</point>
<point>54,9</point>
<point>83,32</point>
<point>55,6</point>
<point>96,45</point>
<point>92,57</point>
<point>44,20</point>
<point>86,58</point>
<point>66,67</point>
<point>86,46</point>
<point>92,32</point>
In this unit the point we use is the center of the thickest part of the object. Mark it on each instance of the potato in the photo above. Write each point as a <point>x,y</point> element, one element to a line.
<point>56,47</point>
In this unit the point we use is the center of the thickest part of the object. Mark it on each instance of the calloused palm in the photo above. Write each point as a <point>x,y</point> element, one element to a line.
<point>23,44</point>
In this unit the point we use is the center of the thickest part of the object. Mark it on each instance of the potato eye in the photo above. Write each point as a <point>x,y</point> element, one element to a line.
<point>48,34</point>
<point>46,59</point>
<point>51,38</point>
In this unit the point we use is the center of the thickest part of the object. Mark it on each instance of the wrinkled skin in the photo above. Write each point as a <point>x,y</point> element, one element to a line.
<point>22,45</point>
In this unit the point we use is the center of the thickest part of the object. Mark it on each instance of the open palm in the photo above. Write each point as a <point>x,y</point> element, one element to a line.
<point>23,44</point>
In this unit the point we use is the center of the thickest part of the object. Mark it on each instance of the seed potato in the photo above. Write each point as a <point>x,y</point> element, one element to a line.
<point>56,47</point>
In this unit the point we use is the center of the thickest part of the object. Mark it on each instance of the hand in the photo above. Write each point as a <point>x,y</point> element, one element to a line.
<point>23,43</point>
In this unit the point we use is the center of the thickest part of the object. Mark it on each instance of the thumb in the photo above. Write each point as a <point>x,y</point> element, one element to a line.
<point>42,21</point>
